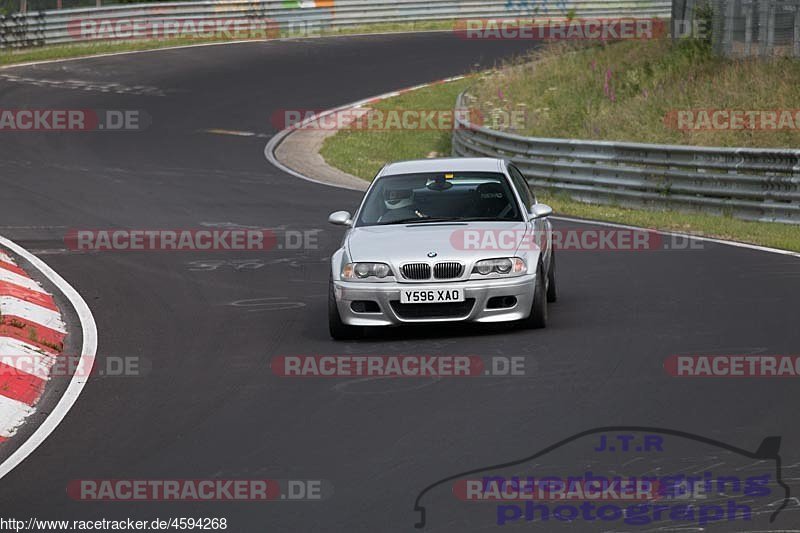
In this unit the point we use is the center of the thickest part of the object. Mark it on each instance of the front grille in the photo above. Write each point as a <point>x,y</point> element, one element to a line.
<point>448,270</point>
<point>417,271</point>
<point>422,311</point>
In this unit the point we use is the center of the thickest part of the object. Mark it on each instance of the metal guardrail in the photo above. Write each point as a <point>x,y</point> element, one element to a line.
<point>763,28</point>
<point>62,26</point>
<point>748,183</point>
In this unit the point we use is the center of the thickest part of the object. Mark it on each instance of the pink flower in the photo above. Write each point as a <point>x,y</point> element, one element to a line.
<point>607,89</point>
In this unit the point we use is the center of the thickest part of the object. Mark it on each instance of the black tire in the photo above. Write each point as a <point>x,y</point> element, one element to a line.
<point>552,294</point>
<point>538,317</point>
<point>338,329</point>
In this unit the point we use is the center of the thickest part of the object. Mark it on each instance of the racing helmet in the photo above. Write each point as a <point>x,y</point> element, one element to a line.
<point>398,198</point>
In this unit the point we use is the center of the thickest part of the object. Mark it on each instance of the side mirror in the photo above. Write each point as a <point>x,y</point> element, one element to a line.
<point>340,218</point>
<point>540,211</point>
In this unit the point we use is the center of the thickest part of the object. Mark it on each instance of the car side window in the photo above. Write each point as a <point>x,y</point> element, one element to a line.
<point>522,186</point>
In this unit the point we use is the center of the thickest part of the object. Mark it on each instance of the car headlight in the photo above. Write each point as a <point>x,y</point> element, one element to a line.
<point>363,271</point>
<point>504,266</point>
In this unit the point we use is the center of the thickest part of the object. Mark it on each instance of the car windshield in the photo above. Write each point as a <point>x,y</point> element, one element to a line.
<point>438,197</point>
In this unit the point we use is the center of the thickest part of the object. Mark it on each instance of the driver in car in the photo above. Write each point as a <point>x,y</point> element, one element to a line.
<point>399,206</point>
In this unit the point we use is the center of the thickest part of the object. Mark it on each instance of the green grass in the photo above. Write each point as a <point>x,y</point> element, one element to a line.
<point>363,153</point>
<point>68,51</point>
<point>623,91</point>
<point>424,25</point>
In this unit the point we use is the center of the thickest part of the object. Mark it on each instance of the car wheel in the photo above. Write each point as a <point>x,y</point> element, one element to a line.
<point>338,329</point>
<point>552,294</point>
<point>538,317</point>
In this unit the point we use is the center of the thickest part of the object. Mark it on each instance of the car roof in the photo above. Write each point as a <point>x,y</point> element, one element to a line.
<point>449,164</point>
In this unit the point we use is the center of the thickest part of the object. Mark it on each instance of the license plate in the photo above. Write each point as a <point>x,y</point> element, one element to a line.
<point>431,296</point>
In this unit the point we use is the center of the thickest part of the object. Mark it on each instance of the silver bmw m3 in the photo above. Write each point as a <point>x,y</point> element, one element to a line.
<point>443,240</point>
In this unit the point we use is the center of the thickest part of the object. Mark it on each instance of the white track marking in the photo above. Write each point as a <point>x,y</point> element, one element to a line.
<point>20,281</point>
<point>272,145</point>
<point>236,133</point>
<point>82,85</point>
<point>48,318</point>
<point>76,384</point>
<point>12,415</point>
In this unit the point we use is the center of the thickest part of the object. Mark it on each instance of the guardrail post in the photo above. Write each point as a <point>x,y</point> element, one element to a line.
<point>796,36</point>
<point>763,27</point>
<point>727,39</point>
<point>771,20</point>
<point>747,7</point>
<point>677,17</point>
<point>688,16</point>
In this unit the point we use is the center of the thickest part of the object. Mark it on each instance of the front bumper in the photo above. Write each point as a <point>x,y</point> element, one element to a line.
<point>522,288</point>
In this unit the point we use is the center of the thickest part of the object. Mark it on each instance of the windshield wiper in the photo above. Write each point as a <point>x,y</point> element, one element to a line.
<point>487,219</point>
<point>425,220</point>
<point>419,220</point>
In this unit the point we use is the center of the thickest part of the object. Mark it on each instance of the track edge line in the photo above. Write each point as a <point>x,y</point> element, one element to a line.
<point>76,384</point>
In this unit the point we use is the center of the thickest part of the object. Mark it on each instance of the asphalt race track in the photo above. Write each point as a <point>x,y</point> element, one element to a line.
<point>210,407</point>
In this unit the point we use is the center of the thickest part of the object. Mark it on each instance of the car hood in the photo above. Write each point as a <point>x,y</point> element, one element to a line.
<point>466,242</point>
